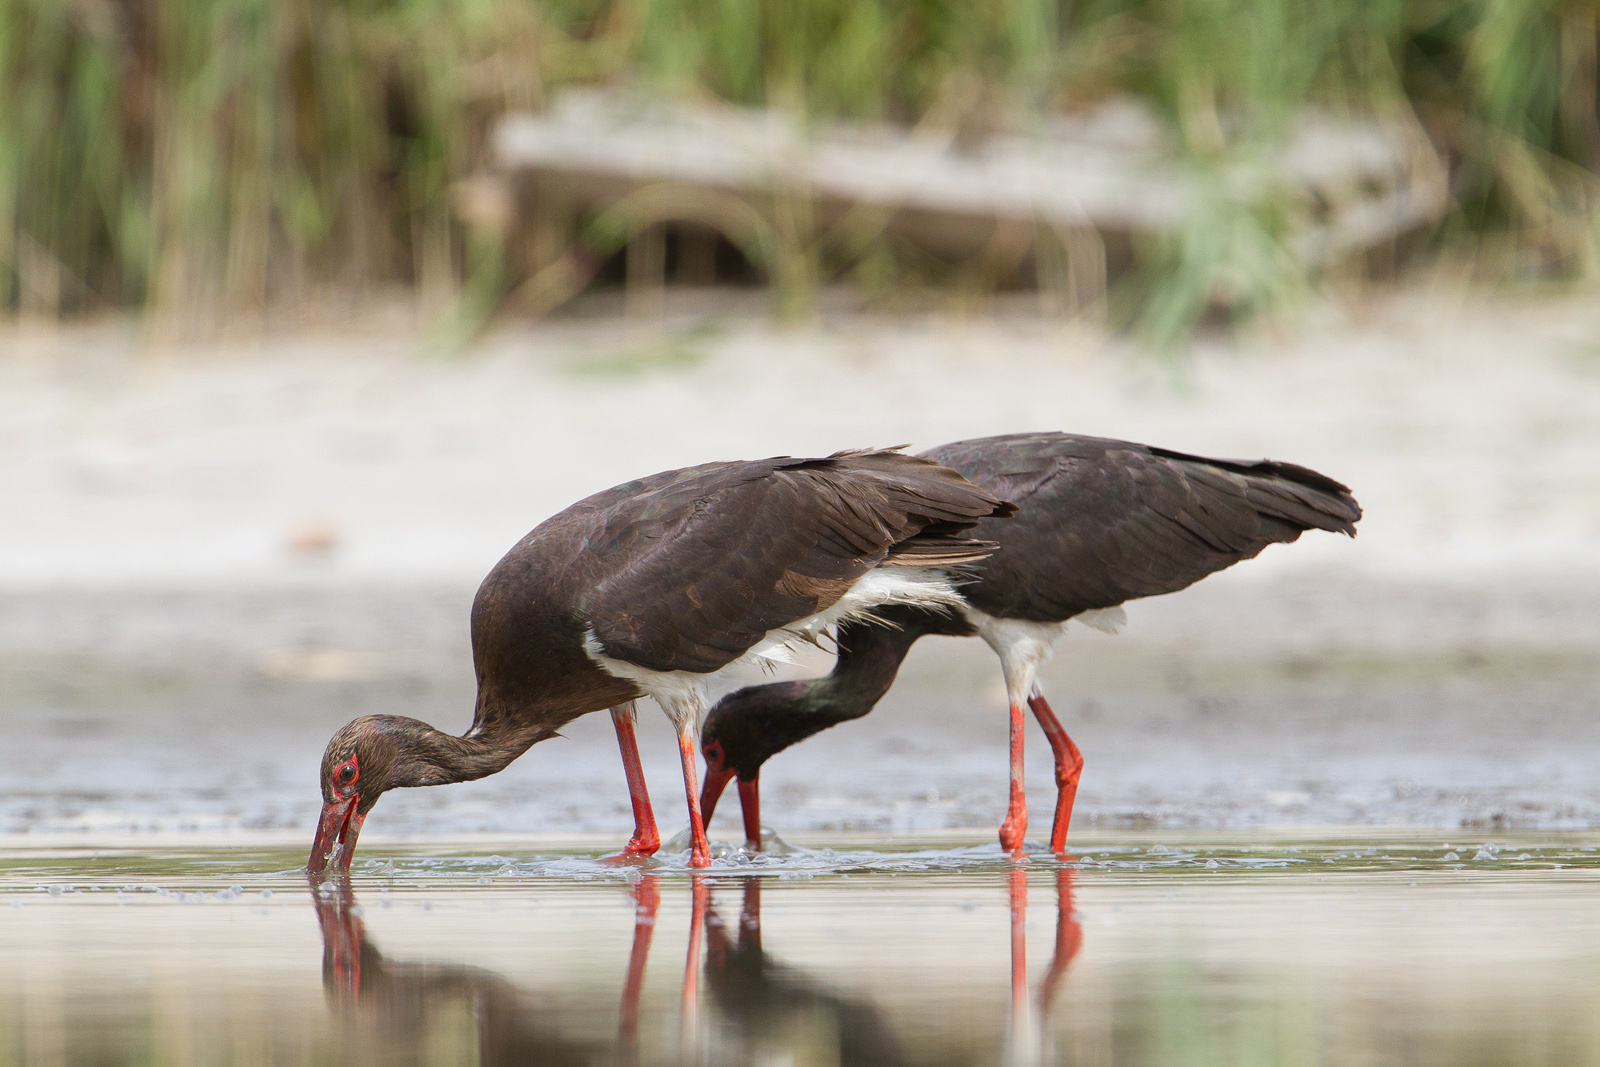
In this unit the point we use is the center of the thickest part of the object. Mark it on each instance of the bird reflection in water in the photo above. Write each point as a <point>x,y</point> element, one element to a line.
<point>398,999</point>
<point>1026,1039</point>
<point>773,1013</point>
<point>764,1009</point>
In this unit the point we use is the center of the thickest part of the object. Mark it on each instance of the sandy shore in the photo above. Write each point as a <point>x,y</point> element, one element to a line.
<point>1469,428</point>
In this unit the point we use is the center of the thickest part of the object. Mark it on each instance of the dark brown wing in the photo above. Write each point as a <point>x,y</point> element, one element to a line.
<point>1100,522</point>
<point>690,569</point>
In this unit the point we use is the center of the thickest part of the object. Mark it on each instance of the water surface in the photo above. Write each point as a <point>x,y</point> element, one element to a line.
<point>1145,949</point>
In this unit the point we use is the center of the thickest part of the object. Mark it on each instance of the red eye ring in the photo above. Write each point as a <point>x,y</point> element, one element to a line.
<point>713,753</point>
<point>346,773</point>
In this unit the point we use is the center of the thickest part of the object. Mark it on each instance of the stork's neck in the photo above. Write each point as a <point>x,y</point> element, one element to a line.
<point>870,655</point>
<point>433,757</point>
<point>756,724</point>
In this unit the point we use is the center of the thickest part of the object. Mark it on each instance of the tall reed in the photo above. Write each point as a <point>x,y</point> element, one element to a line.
<point>217,156</point>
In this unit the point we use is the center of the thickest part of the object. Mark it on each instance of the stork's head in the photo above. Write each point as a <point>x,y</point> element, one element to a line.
<point>745,729</point>
<point>359,765</point>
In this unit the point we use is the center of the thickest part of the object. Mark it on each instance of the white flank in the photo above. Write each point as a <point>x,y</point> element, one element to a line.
<point>926,587</point>
<point>684,695</point>
<point>1107,620</point>
<point>1021,646</point>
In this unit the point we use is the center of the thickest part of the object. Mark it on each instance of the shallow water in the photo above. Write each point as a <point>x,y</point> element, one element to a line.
<point>1147,949</point>
<point>1233,707</point>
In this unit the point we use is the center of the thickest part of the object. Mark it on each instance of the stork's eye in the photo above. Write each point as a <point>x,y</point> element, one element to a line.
<point>713,753</point>
<point>347,774</point>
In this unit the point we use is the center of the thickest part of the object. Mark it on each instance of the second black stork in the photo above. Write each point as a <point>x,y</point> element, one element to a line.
<point>1098,523</point>
<point>651,589</point>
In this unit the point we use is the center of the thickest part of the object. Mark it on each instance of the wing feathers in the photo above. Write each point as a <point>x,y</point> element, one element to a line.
<point>701,564</point>
<point>1102,521</point>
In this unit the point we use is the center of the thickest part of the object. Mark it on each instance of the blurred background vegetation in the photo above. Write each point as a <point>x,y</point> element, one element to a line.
<point>219,157</point>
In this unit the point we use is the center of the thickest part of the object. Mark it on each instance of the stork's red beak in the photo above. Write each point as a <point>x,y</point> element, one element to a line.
<point>716,781</point>
<point>339,827</point>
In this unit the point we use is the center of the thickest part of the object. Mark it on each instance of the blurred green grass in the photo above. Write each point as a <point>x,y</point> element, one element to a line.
<point>206,158</point>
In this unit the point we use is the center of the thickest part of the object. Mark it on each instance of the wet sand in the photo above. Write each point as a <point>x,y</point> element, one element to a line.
<point>1172,948</point>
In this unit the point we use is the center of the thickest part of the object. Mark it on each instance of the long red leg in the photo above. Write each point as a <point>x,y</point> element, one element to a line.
<point>701,854</point>
<point>1015,828</point>
<point>646,901</point>
<point>1069,765</point>
<point>1069,938</point>
<point>750,805</point>
<point>645,838</point>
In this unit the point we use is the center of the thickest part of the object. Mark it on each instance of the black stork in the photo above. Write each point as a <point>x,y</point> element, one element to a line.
<point>650,589</point>
<point>1098,523</point>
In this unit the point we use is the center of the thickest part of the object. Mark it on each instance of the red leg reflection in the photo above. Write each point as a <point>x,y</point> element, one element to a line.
<point>1069,938</point>
<point>646,901</point>
<point>1028,1040</point>
<point>1019,946</point>
<point>701,899</point>
<point>645,838</point>
<point>1069,765</point>
<point>719,949</point>
<point>750,916</point>
<point>1015,829</point>
<point>717,945</point>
